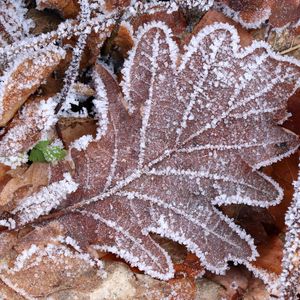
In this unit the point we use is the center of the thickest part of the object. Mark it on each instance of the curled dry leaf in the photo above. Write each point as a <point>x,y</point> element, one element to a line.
<point>23,77</point>
<point>159,167</point>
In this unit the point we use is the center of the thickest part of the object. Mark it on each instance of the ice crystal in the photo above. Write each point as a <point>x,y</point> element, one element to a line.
<point>14,26</point>
<point>45,200</point>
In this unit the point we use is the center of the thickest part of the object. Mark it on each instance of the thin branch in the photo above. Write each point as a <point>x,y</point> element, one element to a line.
<point>290,49</point>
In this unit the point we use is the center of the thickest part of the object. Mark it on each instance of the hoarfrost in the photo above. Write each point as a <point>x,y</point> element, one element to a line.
<point>45,200</point>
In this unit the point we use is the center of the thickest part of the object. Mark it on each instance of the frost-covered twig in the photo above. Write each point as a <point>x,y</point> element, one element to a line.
<point>65,96</point>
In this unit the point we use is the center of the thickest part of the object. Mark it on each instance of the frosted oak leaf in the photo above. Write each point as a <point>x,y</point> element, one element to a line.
<point>191,133</point>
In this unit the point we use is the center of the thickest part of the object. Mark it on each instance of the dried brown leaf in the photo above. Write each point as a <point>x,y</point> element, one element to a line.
<point>25,183</point>
<point>23,77</point>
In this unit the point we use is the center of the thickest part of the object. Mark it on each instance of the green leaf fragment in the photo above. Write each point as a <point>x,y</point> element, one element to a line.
<point>54,153</point>
<point>36,155</point>
<point>44,152</point>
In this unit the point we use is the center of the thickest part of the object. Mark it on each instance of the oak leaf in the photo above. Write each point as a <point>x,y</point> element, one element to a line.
<point>191,133</point>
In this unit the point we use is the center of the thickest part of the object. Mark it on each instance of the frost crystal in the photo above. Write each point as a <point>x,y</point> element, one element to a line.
<point>14,26</point>
<point>45,200</point>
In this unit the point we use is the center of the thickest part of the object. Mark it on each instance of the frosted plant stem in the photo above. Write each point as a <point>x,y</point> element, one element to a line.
<point>72,71</point>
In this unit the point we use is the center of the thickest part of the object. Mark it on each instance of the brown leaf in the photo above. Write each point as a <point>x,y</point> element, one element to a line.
<point>23,77</point>
<point>72,129</point>
<point>175,20</point>
<point>190,267</point>
<point>25,183</point>
<point>213,16</point>
<point>142,187</point>
<point>41,271</point>
<point>293,123</point>
<point>7,293</point>
<point>270,255</point>
<point>284,172</point>
<point>111,5</point>
<point>290,276</point>
<point>284,12</point>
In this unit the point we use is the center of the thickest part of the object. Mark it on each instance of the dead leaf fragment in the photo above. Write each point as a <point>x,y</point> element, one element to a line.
<point>23,77</point>
<point>25,183</point>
